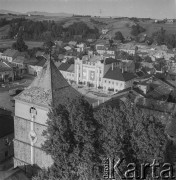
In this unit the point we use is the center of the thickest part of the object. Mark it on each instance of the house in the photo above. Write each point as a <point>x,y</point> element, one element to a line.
<point>117,79</point>
<point>101,49</point>
<point>72,43</point>
<point>19,62</point>
<point>104,31</point>
<point>67,48</point>
<point>6,135</point>
<point>143,86</point>
<point>59,43</point>
<point>81,47</point>
<point>127,65</point>
<point>169,21</point>
<point>6,72</point>
<point>10,54</point>
<point>34,67</point>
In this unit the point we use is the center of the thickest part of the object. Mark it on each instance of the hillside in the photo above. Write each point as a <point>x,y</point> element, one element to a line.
<point>113,24</point>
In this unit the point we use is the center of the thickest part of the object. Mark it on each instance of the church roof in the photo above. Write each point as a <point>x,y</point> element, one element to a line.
<point>48,88</point>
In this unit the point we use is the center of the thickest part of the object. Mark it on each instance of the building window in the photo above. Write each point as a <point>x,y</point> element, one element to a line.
<point>117,83</point>
<point>109,82</point>
<point>105,81</point>
<point>112,82</point>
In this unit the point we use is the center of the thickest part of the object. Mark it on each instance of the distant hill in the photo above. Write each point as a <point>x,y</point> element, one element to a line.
<point>3,11</point>
<point>62,14</point>
<point>49,14</point>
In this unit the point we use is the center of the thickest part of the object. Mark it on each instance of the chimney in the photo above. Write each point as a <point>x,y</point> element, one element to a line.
<point>112,66</point>
<point>122,70</point>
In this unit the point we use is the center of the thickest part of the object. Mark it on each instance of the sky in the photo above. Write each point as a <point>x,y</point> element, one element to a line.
<point>124,8</point>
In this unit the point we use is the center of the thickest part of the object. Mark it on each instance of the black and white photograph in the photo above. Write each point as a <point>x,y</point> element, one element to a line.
<point>87,89</point>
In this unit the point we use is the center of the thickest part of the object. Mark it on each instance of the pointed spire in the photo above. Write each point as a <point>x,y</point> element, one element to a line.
<point>48,88</point>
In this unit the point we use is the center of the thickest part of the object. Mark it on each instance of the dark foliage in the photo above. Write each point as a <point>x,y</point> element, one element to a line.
<point>71,140</point>
<point>136,30</point>
<point>119,36</point>
<point>161,37</point>
<point>20,44</point>
<point>41,30</point>
<point>3,22</point>
<point>130,133</point>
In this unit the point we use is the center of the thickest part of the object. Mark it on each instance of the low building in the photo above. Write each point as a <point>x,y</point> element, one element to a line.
<point>143,86</point>
<point>6,72</point>
<point>67,48</point>
<point>35,67</point>
<point>104,31</point>
<point>100,49</point>
<point>117,79</point>
<point>19,62</point>
<point>10,54</point>
<point>72,43</point>
<point>81,47</point>
<point>169,21</point>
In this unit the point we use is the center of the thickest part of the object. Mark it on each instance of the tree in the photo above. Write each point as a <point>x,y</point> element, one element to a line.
<point>71,141</point>
<point>172,96</point>
<point>136,30</point>
<point>119,36</point>
<point>20,44</point>
<point>48,47</point>
<point>148,59</point>
<point>130,133</point>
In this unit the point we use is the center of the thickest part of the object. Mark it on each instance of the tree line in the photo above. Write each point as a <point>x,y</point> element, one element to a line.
<point>41,30</point>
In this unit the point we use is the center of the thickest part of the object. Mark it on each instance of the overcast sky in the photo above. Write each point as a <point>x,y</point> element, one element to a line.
<point>128,8</point>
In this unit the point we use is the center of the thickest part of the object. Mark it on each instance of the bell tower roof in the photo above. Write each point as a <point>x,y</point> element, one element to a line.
<point>48,88</point>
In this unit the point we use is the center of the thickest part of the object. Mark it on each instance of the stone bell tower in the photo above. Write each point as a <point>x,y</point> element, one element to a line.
<point>31,108</point>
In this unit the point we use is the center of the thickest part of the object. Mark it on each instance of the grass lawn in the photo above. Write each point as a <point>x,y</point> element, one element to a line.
<point>7,43</point>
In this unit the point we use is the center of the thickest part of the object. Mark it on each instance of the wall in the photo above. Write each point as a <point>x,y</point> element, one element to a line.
<point>22,143</point>
<point>113,84</point>
<point>22,110</point>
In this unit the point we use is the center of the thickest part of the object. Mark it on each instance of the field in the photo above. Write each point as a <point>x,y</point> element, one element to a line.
<point>4,31</point>
<point>153,27</point>
<point>6,43</point>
